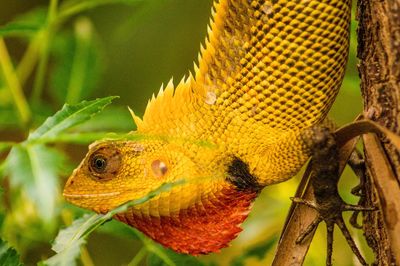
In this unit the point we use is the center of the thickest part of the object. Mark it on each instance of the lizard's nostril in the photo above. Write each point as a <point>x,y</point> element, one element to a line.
<point>69,183</point>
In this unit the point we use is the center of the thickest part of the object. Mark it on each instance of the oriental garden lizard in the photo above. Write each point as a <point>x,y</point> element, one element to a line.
<point>265,81</point>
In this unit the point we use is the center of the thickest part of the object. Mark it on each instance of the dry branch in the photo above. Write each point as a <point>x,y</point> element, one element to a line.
<point>379,54</point>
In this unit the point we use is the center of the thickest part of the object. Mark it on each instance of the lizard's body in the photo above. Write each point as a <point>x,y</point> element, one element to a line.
<point>270,71</point>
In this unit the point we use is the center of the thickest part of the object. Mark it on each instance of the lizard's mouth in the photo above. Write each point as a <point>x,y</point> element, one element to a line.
<point>95,195</point>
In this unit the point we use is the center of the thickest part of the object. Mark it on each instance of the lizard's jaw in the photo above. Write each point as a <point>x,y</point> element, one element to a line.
<point>205,227</point>
<point>71,197</point>
<point>97,200</point>
<point>86,200</point>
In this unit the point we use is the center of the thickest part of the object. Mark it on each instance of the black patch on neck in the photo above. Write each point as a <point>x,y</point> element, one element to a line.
<point>239,175</point>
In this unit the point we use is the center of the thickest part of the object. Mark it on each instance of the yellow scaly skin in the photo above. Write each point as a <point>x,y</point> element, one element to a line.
<point>270,71</point>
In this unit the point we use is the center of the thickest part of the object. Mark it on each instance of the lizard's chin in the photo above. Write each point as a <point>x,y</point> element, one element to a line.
<point>85,200</point>
<point>205,227</point>
<point>94,195</point>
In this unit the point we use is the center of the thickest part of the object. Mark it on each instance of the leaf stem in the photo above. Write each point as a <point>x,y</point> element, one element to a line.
<point>13,85</point>
<point>86,260</point>
<point>71,10</point>
<point>28,61</point>
<point>138,257</point>
<point>85,257</point>
<point>51,15</point>
<point>158,252</point>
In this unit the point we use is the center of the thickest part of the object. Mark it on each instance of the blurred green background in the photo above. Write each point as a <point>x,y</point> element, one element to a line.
<point>94,48</point>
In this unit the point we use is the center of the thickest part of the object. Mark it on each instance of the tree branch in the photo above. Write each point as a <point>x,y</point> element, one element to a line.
<point>379,54</point>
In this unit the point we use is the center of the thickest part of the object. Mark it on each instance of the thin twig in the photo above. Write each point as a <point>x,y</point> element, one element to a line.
<point>28,61</point>
<point>85,257</point>
<point>138,257</point>
<point>387,187</point>
<point>13,85</point>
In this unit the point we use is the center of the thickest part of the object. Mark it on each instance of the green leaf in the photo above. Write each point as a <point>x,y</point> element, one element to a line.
<point>26,24</point>
<point>73,7</point>
<point>69,116</point>
<point>122,230</point>
<point>18,29</point>
<point>33,169</point>
<point>98,127</point>
<point>69,240</point>
<point>107,121</point>
<point>89,137</point>
<point>258,251</point>
<point>168,257</point>
<point>8,255</point>
<point>124,207</point>
<point>79,138</point>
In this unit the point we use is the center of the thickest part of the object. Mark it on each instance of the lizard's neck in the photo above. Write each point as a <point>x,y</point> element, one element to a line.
<point>205,227</point>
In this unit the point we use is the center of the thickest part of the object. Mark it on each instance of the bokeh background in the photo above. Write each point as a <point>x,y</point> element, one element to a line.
<point>125,48</point>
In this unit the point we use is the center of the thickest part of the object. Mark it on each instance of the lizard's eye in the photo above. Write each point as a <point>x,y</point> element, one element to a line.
<point>99,163</point>
<point>159,168</point>
<point>105,163</point>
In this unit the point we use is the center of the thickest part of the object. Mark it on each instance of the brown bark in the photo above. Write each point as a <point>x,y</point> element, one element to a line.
<point>379,54</point>
<point>300,217</point>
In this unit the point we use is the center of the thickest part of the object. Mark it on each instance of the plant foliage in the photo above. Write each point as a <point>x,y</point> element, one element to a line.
<point>8,255</point>
<point>69,240</point>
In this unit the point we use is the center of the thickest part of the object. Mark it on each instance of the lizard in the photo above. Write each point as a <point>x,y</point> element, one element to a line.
<point>266,78</point>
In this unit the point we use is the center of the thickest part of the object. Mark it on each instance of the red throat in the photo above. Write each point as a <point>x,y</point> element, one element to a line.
<point>205,227</point>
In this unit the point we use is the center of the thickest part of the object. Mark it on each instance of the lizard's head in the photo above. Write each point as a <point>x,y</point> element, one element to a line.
<point>114,172</point>
<point>203,215</point>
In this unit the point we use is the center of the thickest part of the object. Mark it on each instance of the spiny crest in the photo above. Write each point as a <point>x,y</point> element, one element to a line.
<point>169,104</point>
<point>207,53</point>
<point>172,103</point>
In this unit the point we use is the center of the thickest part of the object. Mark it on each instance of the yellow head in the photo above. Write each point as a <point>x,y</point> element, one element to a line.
<point>114,172</point>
